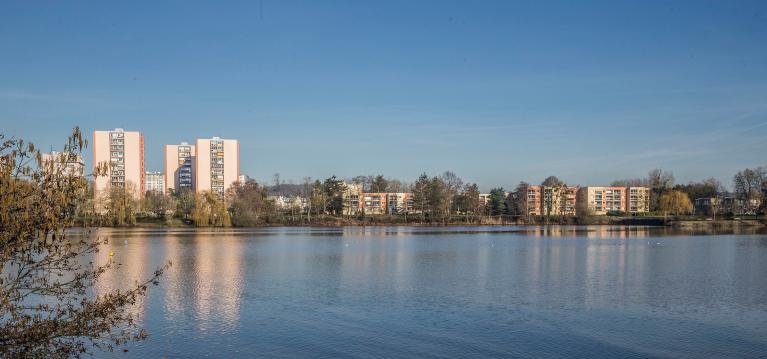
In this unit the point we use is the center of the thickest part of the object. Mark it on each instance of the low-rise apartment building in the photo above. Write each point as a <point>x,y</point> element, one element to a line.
<point>639,200</point>
<point>386,203</point>
<point>603,200</point>
<point>351,198</point>
<point>356,201</point>
<point>400,202</point>
<point>287,203</point>
<point>535,200</point>
<point>559,200</point>
<point>551,200</point>
<point>373,203</point>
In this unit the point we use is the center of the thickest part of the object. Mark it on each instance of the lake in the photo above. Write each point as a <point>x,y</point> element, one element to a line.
<point>529,292</point>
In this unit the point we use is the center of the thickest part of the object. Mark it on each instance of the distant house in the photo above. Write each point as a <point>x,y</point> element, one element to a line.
<point>707,206</point>
<point>356,201</point>
<point>155,182</point>
<point>285,203</point>
<point>69,164</point>
<point>738,206</point>
<point>484,199</point>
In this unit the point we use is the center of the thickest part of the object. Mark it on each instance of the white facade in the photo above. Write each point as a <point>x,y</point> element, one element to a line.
<point>155,182</point>
<point>68,163</point>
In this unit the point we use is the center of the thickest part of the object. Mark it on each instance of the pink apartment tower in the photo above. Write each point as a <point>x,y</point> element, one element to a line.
<point>179,167</point>
<point>216,165</point>
<point>123,153</point>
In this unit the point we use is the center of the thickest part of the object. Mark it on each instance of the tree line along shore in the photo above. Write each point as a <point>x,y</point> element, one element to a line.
<point>431,200</point>
<point>438,200</point>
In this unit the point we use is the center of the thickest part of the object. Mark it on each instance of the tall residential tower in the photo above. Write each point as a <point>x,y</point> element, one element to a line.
<point>123,152</point>
<point>217,164</point>
<point>179,166</point>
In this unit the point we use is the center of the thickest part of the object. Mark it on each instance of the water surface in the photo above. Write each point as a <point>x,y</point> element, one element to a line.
<point>446,292</point>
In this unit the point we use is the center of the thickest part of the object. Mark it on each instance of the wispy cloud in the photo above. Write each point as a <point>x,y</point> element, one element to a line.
<point>53,98</point>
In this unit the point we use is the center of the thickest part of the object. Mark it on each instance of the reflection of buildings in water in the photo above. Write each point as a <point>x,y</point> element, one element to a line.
<point>356,258</point>
<point>553,231</point>
<point>614,270</point>
<point>482,261</point>
<point>174,295</point>
<point>534,270</point>
<point>616,232</point>
<point>218,282</point>
<point>373,231</point>
<point>129,267</point>
<point>593,231</point>
<point>597,276</point>
<point>396,259</point>
<point>403,260</point>
<point>550,270</point>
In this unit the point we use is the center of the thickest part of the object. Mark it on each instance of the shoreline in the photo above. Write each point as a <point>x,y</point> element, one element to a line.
<point>685,224</point>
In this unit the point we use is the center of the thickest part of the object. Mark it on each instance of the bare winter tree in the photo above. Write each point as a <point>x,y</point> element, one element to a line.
<point>518,200</point>
<point>749,185</point>
<point>630,182</point>
<point>660,182</point>
<point>306,193</point>
<point>46,273</point>
<point>453,185</point>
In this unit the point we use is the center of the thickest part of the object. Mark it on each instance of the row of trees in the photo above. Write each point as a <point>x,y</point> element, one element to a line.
<point>119,207</point>
<point>748,195</point>
<point>750,186</point>
<point>435,198</point>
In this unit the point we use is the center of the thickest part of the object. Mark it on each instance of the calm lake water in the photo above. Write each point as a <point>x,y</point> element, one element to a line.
<point>600,292</point>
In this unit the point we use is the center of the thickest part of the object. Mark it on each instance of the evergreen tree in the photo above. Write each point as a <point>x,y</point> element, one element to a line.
<point>497,202</point>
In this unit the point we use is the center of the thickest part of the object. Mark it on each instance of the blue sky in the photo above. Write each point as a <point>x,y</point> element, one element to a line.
<point>497,92</point>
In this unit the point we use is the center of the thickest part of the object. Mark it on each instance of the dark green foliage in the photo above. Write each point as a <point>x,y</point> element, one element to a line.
<point>497,202</point>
